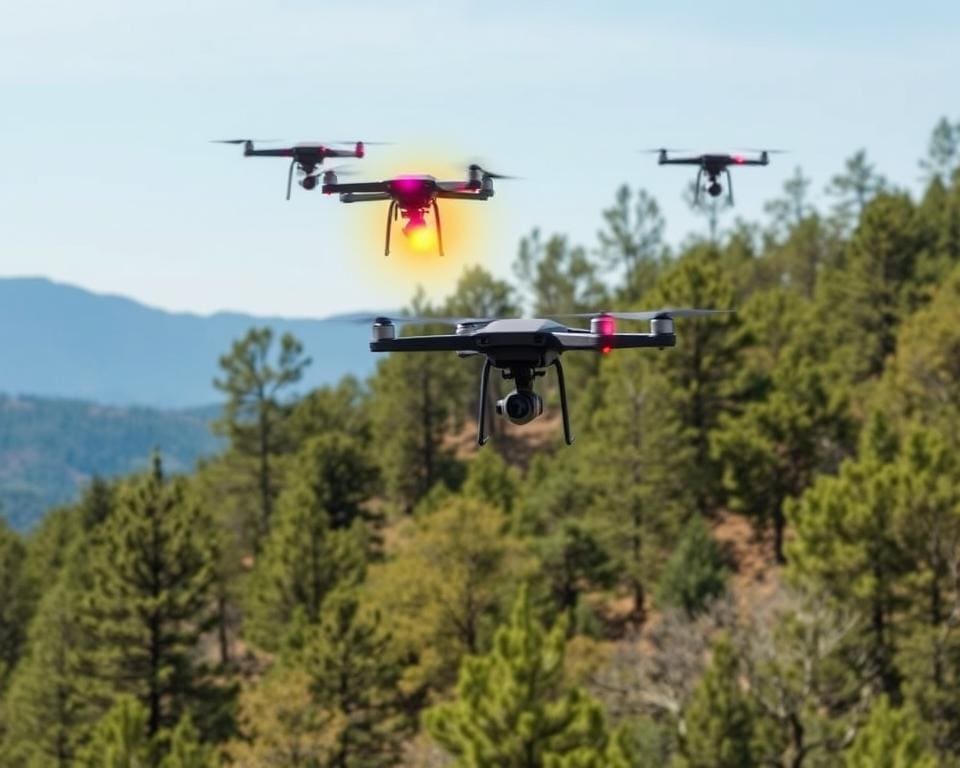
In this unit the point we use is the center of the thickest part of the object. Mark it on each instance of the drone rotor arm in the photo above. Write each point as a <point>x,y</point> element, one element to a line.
<point>439,343</point>
<point>363,187</point>
<point>454,194</point>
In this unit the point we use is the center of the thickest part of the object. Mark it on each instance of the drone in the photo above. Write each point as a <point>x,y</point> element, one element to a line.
<point>306,156</point>
<point>713,165</point>
<point>412,197</point>
<point>523,350</point>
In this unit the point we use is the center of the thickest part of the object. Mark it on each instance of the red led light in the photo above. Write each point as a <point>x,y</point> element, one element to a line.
<point>738,159</point>
<point>606,350</point>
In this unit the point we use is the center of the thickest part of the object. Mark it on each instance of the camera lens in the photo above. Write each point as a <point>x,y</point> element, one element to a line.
<point>518,407</point>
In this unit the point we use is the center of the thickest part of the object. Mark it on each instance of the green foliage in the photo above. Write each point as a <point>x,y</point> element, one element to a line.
<point>120,738</point>
<point>16,600</point>
<point>255,416</point>
<point>151,567</point>
<point>447,586</point>
<point>855,187</point>
<point>558,276</point>
<point>492,480</point>
<point>891,738</point>
<point>513,708</point>
<point>720,724</point>
<point>47,706</point>
<point>632,241</point>
<point>695,574</point>
<point>354,678</point>
<point>305,556</point>
<point>185,751</point>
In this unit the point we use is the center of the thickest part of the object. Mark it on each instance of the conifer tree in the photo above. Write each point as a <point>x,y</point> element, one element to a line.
<point>304,556</point>
<point>695,574</point>
<point>354,677</point>
<point>513,708</point>
<point>449,584</point>
<point>846,544</point>
<point>719,721</point>
<point>120,738</point>
<point>891,738</point>
<point>49,713</point>
<point>410,414</point>
<point>16,600</point>
<point>185,750</point>
<point>255,415</point>
<point>631,242</point>
<point>855,187</point>
<point>151,567</point>
<point>701,372</point>
<point>640,490</point>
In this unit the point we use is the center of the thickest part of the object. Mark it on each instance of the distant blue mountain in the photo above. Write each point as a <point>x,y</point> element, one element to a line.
<point>61,341</point>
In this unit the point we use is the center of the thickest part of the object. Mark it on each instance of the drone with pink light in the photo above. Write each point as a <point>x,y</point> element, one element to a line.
<point>712,165</point>
<point>413,197</point>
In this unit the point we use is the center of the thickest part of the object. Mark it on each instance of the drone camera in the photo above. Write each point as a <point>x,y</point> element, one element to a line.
<point>308,182</point>
<point>714,189</point>
<point>520,406</point>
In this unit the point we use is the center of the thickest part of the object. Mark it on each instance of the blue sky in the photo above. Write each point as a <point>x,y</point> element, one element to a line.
<point>107,179</point>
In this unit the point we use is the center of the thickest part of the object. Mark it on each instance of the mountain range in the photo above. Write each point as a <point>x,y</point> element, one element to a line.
<point>62,341</point>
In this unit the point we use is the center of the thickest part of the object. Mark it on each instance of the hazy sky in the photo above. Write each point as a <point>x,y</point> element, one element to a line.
<point>107,179</point>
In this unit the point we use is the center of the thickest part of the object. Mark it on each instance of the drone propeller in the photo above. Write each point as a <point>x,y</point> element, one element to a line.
<point>768,151</point>
<point>419,319</point>
<point>242,141</point>
<point>365,143</point>
<point>653,313</point>
<point>476,167</point>
<point>657,150</point>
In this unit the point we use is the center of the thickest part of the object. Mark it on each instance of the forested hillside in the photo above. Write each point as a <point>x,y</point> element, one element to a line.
<point>348,585</point>
<point>50,449</point>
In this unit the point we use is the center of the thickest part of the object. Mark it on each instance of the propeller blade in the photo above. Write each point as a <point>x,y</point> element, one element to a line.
<point>658,150</point>
<point>419,319</point>
<point>242,141</point>
<point>654,313</point>
<point>490,174</point>
<point>360,141</point>
<point>768,151</point>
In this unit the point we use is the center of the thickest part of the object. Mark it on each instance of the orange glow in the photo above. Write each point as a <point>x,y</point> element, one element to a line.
<point>422,239</point>
<point>606,350</point>
<point>465,227</point>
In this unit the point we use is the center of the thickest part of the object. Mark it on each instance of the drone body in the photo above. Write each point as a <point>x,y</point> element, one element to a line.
<point>523,350</point>
<point>412,197</point>
<point>713,166</point>
<point>305,157</point>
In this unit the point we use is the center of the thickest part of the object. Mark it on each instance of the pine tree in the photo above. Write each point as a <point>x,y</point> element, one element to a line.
<point>185,749</point>
<point>120,738</point>
<point>891,738</point>
<point>513,708</point>
<point>151,567</point>
<point>719,721</point>
<point>304,556</point>
<point>255,415</point>
<point>855,187</point>
<point>635,468</point>
<point>49,712</point>
<point>631,242</point>
<point>16,600</point>
<point>700,373</point>
<point>280,725</point>
<point>354,676</point>
<point>695,574</point>
<point>846,545</point>
<point>410,412</point>
<point>448,585</point>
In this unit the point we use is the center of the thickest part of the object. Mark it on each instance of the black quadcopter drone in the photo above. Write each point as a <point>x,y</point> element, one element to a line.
<point>523,349</point>
<point>413,196</point>
<point>713,165</point>
<point>305,157</point>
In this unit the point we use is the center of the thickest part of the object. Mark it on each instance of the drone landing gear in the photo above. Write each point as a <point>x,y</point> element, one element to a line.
<point>293,164</point>
<point>524,377</point>
<point>393,213</point>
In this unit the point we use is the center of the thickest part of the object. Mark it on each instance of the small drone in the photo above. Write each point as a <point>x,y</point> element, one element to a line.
<point>413,196</point>
<point>306,156</point>
<point>523,349</point>
<point>713,165</point>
